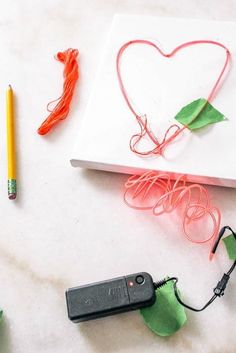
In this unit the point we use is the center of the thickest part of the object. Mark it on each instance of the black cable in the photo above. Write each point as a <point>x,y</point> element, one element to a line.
<point>231,268</point>
<point>160,284</point>
<point>221,233</point>
<point>188,306</point>
<point>218,290</point>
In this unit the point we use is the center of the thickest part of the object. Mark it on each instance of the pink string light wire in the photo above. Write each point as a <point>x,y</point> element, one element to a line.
<point>158,193</point>
<point>174,130</point>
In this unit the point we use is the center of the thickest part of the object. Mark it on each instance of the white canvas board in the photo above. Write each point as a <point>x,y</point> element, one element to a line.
<point>159,88</point>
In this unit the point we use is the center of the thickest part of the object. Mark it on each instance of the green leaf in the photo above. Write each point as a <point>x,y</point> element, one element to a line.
<point>198,114</point>
<point>230,244</point>
<point>1,314</point>
<point>166,316</point>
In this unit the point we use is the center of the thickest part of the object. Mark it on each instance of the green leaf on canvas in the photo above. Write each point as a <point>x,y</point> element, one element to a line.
<point>198,114</point>
<point>166,316</point>
<point>230,244</point>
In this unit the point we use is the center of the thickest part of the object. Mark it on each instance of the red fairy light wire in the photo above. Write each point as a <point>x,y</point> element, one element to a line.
<point>174,130</point>
<point>156,192</point>
<point>71,75</point>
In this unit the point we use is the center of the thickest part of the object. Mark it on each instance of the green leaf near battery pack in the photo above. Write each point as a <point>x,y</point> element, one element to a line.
<point>198,114</point>
<point>166,316</point>
<point>230,244</point>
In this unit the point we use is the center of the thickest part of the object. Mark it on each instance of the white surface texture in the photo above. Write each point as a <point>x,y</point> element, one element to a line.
<point>159,87</point>
<point>70,226</point>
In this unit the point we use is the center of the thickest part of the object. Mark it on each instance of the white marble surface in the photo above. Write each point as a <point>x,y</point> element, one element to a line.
<point>70,226</point>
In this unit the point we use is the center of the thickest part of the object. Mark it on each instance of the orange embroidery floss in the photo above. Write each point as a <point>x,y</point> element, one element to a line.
<point>71,75</point>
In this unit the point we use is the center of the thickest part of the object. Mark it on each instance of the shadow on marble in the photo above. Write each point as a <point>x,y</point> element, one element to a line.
<point>4,337</point>
<point>127,332</point>
<point>103,179</point>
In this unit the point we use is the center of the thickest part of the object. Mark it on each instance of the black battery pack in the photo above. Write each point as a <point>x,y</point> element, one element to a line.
<point>110,297</point>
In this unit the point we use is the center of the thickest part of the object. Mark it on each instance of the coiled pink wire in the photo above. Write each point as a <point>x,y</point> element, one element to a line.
<point>174,130</point>
<point>156,192</point>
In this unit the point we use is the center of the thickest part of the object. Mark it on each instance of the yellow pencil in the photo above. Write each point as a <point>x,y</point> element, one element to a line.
<point>11,157</point>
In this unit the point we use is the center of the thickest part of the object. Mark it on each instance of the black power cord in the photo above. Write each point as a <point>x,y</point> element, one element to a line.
<point>220,287</point>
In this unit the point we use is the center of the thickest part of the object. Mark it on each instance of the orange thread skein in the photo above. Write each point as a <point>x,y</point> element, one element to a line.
<point>71,75</point>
